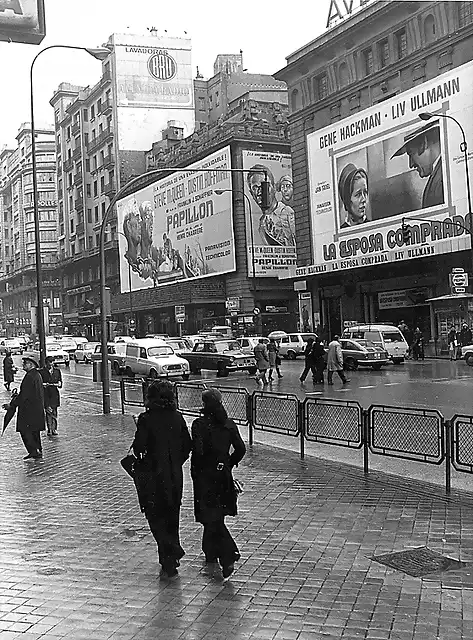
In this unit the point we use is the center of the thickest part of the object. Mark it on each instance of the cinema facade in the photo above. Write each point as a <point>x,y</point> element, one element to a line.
<point>364,163</point>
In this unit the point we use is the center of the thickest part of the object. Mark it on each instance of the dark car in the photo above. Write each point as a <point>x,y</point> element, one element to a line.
<point>363,353</point>
<point>221,356</point>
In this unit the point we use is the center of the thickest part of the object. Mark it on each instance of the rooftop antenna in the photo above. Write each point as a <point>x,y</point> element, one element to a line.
<point>241,55</point>
<point>198,74</point>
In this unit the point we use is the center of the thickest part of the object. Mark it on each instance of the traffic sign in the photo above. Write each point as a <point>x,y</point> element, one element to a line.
<point>256,311</point>
<point>180,313</point>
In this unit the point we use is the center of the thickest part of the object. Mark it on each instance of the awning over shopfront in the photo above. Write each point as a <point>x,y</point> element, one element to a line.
<point>459,296</point>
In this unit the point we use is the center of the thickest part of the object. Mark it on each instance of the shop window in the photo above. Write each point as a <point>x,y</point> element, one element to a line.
<point>465,13</point>
<point>401,43</point>
<point>343,76</point>
<point>429,28</point>
<point>383,50</point>
<point>368,63</point>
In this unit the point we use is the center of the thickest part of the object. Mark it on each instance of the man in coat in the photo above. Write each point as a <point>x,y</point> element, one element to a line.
<point>262,361</point>
<point>465,336</point>
<point>335,361</point>
<point>30,405</point>
<point>52,382</point>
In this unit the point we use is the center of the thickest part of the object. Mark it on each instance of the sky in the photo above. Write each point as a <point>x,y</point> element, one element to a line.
<point>266,32</point>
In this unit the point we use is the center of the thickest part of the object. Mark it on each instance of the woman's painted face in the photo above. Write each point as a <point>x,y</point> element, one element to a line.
<point>359,199</point>
<point>286,191</point>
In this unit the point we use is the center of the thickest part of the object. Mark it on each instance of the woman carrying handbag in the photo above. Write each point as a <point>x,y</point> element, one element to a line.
<point>215,496</point>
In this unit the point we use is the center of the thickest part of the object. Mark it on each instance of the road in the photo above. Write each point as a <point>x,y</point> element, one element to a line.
<point>439,384</point>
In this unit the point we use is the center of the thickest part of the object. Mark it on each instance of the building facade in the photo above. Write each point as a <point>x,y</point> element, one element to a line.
<point>364,164</point>
<point>17,234</point>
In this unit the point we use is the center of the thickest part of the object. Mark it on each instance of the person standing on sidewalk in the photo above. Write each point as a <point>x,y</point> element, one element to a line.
<point>8,370</point>
<point>215,497</point>
<point>30,405</point>
<point>163,444</point>
<point>52,382</point>
<point>262,361</point>
<point>335,361</point>
<point>452,343</point>
<point>309,361</point>
<point>274,359</point>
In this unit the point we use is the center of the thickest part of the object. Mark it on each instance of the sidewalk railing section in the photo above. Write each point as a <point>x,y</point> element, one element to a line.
<point>421,435</point>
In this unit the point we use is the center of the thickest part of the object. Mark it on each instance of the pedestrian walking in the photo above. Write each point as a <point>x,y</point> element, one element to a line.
<point>318,356</point>
<point>465,336</point>
<point>309,364</point>
<point>52,382</point>
<point>335,361</point>
<point>215,497</point>
<point>30,405</point>
<point>262,361</point>
<point>418,345</point>
<point>274,359</point>
<point>9,370</point>
<point>452,343</point>
<point>163,444</point>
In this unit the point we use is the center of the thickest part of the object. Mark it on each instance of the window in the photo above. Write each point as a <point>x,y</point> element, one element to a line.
<point>87,164</point>
<point>201,103</point>
<point>85,115</point>
<point>72,225</point>
<point>429,28</point>
<point>102,184</point>
<point>368,65</point>
<point>97,238</point>
<point>68,131</point>
<point>89,215</point>
<point>343,74</point>
<point>465,13</point>
<point>401,44</point>
<point>88,190</point>
<point>86,139</point>
<point>99,106</point>
<point>96,214</point>
<point>217,99</point>
<point>95,189</point>
<point>92,112</point>
<point>321,87</point>
<point>383,49</point>
<point>103,209</point>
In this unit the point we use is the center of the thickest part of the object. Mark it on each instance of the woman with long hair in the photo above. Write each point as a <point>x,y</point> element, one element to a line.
<point>162,443</point>
<point>213,435</point>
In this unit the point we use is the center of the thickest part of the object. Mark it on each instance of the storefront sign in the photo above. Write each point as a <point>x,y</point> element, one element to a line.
<point>367,174</point>
<point>271,238</point>
<point>233,304</point>
<point>177,228</point>
<point>341,9</point>
<point>305,312</point>
<point>273,309</point>
<point>458,280</point>
<point>403,298</point>
<point>22,21</point>
<point>180,314</point>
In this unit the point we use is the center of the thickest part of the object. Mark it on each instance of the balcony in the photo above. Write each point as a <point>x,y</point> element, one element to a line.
<point>106,77</point>
<point>100,139</point>
<point>79,204</point>
<point>80,229</point>
<point>78,177</point>
<point>67,164</point>
<point>75,128</point>
<point>77,153</point>
<point>106,106</point>
<point>109,161</point>
<point>110,189</point>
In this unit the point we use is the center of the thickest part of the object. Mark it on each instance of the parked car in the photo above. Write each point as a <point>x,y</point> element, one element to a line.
<point>387,336</point>
<point>363,353</point>
<point>116,354</point>
<point>24,340</point>
<point>248,344</point>
<point>157,336</point>
<point>467,354</point>
<point>293,344</point>
<point>221,356</point>
<point>191,340</point>
<point>153,358</point>
<point>12,345</point>
<point>84,352</point>
<point>179,345</point>
<point>123,339</point>
<point>69,345</point>
<point>53,349</point>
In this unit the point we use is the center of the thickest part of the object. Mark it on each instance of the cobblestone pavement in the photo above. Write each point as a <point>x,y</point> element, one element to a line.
<point>77,560</point>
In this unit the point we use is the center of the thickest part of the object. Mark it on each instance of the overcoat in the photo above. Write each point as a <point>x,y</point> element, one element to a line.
<point>273,352</point>
<point>30,403</point>
<point>8,369</point>
<point>335,356</point>
<point>51,393</point>
<point>433,192</point>
<point>162,439</point>
<point>261,356</point>
<point>214,493</point>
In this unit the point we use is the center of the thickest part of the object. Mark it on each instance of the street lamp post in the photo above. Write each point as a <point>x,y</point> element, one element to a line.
<point>103,306</point>
<point>99,54</point>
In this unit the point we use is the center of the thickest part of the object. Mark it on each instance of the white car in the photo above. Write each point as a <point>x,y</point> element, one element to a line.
<point>84,352</point>
<point>12,345</point>
<point>69,345</point>
<point>152,358</point>
<point>179,345</point>
<point>248,344</point>
<point>467,354</point>
<point>54,350</point>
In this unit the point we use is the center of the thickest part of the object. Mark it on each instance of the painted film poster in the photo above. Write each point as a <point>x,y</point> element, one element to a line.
<point>177,228</point>
<point>371,170</point>
<point>274,234</point>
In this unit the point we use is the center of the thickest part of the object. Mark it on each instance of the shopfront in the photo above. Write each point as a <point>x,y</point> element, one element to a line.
<point>450,311</point>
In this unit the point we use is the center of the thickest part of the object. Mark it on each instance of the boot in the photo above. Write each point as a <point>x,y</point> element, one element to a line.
<point>279,373</point>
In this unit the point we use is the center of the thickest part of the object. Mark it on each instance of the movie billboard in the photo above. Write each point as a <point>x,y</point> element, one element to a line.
<point>384,165</point>
<point>177,228</point>
<point>271,238</point>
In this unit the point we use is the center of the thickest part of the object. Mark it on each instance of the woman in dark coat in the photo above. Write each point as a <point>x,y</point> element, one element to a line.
<point>8,370</point>
<point>215,497</point>
<point>163,443</point>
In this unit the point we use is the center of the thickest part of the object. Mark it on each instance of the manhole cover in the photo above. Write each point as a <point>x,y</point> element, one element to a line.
<point>419,562</point>
<point>51,571</point>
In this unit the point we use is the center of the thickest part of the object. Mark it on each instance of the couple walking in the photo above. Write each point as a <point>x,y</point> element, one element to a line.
<point>267,357</point>
<point>162,440</point>
<point>314,355</point>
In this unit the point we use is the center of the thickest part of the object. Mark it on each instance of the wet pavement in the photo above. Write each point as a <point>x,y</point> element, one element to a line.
<point>77,560</point>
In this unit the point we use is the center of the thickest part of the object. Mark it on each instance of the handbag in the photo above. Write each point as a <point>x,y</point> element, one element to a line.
<point>128,463</point>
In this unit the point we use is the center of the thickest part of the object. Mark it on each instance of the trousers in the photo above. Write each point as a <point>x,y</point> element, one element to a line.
<point>32,442</point>
<point>341,375</point>
<point>218,544</point>
<point>309,366</point>
<point>165,530</point>
<point>51,419</point>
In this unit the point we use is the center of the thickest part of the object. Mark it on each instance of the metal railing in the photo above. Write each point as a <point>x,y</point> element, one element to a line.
<point>419,435</point>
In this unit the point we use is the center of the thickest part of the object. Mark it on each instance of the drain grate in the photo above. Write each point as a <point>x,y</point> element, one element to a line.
<point>419,562</point>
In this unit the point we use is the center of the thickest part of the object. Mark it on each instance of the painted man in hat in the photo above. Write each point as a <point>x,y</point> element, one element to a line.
<point>30,404</point>
<point>424,151</point>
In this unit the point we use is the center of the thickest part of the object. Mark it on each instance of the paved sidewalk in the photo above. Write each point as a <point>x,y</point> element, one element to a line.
<point>77,560</point>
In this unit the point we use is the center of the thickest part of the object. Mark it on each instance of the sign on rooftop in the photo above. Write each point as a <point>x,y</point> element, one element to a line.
<point>22,21</point>
<point>341,9</point>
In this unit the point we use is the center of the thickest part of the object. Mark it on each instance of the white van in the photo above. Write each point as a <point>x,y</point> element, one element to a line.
<point>153,358</point>
<point>389,336</point>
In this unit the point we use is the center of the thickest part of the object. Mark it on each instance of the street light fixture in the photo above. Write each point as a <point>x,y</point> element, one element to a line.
<point>99,54</point>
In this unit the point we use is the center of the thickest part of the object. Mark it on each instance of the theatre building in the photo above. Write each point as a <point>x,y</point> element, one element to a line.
<point>379,104</point>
